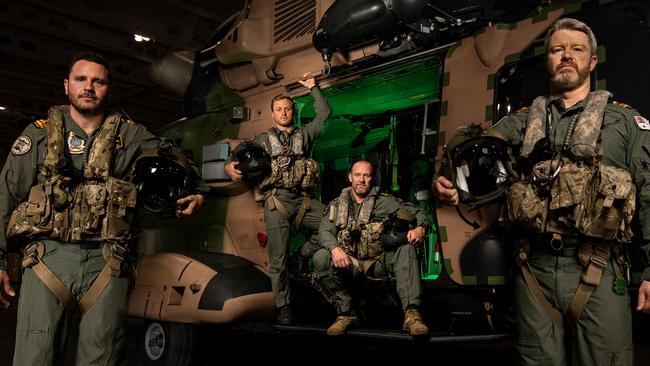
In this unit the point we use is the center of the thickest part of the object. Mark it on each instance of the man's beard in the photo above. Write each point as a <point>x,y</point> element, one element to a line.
<point>564,81</point>
<point>95,110</point>
<point>361,191</point>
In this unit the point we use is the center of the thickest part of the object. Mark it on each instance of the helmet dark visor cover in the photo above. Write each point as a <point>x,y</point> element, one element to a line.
<point>161,181</point>
<point>481,169</point>
<point>396,228</point>
<point>254,162</point>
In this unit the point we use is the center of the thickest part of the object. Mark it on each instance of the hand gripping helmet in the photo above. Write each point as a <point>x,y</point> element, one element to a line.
<point>480,164</point>
<point>395,228</point>
<point>162,175</point>
<point>254,162</point>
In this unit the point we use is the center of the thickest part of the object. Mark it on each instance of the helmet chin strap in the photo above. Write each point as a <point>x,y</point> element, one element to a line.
<point>502,173</point>
<point>462,172</point>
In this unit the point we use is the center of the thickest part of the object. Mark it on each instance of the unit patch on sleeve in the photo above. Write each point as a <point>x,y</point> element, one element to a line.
<point>22,145</point>
<point>642,122</point>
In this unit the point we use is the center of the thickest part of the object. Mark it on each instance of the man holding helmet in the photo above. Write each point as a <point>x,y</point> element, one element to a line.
<point>65,198</point>
<point>583,161</point>
<point>357,239</point>
<point>288,186</point>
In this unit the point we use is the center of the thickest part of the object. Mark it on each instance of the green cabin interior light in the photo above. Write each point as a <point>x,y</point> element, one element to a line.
<point>355,102</point>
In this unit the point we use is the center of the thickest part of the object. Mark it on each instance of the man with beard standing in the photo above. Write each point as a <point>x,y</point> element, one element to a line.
<point>577,150</point>
<point>65,198</point>
<point>350,234</point>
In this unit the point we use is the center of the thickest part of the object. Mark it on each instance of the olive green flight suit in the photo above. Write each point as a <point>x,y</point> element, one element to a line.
<point>278,228</point>
<point>40,314</point>
<point>403,262</point>
<point>604,330</point>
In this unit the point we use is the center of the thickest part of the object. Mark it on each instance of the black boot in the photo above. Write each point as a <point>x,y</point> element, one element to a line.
<point>284,316</point>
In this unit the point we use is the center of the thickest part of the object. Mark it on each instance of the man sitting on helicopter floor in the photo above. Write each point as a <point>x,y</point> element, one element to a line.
<point>355,241</point>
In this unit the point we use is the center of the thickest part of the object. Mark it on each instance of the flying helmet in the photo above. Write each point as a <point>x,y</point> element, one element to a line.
<point>254,162</point>
<point>480,164</point>
<point>162,175</point>
<point>395,229</point>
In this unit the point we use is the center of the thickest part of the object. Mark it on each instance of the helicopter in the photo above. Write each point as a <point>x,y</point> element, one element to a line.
<point>401,77</point>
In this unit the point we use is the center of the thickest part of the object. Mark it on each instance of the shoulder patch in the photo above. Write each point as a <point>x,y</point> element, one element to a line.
<point>622,105</point>
<point>522,109</point>
<point>22,145</point>
<point>130,122</point>
<point>384,194</point>
<point>642,122</point>
<point>40,123</point>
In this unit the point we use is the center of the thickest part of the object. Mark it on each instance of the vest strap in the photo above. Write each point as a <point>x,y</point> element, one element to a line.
<point>533,286</point>
<point>115,255</point>
<point>33,259</point>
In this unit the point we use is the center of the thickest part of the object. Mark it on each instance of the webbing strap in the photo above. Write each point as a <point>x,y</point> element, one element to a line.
<point>551,312</point>
<point>115,255</point>
<point>275,203</point>
<point>541,299</point>
<point>302,210</point>
<point>598,256</point>
<point>95,290</point>
<point>32,259</point>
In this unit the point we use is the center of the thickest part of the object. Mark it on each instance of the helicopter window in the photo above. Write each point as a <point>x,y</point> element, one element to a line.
<point>518,83</point>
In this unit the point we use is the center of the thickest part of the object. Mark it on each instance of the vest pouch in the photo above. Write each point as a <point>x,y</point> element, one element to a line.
<point>525,208</point>
<point>32,217</point>
<point>348,237</point>
<point>568,194</point>
<point>120,207</point>
<point>273,177</point>
<point>310,178</point>
<point>293,176</point>
<point>610,205</point>
<point>93,209</point>
<point>370,241</point>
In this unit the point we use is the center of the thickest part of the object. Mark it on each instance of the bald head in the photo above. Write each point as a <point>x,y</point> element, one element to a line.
<point>361,179</point>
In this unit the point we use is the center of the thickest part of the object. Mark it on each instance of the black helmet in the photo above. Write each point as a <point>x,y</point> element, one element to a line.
<point>254,162</point>
<point>395,228</point>
<point>480,164</point>
<point>162,175</point>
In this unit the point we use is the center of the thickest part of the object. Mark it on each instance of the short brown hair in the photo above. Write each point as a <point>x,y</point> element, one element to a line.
<point>575,25</point>
<point>92,57</point>
<point>281,97</point>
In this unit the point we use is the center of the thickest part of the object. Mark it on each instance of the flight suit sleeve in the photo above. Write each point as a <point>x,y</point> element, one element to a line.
<point>629,146</point>
<point>18,175</point>
<point>420,215</point>
<point>327,230</point>
<point>512,127</point>
<point>312,130</point>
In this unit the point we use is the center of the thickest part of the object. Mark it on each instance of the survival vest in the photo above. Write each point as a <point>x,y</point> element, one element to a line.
<point>289,167</point>
<point>92,207</point>
<point>573,193</point>
<point>359,237</point>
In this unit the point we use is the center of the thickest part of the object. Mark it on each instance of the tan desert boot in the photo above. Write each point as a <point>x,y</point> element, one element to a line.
<point>413,323</point>
<point>341,324</point>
